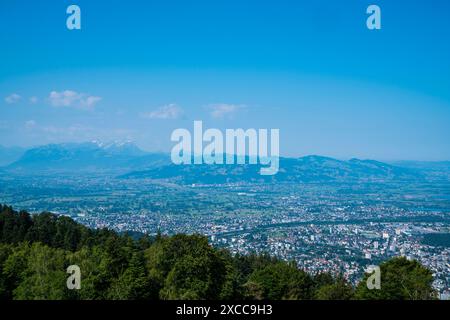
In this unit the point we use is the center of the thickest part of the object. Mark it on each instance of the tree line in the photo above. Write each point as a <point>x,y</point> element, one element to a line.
<point>35,251</point>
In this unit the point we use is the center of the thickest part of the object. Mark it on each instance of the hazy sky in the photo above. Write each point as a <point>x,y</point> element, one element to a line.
<point>136,71</point>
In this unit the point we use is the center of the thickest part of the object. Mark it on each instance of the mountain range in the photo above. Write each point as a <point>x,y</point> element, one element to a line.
<point>127,161</point>
<point>93,156</point>
<point>303,169</point>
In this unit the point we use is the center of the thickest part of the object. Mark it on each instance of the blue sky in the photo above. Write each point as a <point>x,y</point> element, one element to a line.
<point>137,70</point>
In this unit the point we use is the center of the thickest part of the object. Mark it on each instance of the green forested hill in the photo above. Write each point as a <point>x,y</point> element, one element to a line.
<point>36,250</point>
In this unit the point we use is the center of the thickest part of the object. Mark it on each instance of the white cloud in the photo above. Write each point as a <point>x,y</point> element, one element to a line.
<point>13,98</point>
<point>69,98</point>
<point>30,124</point>
<point>91,101</point>
<point>33,99</point>
<point>167,112</point>
<point>223,110</point>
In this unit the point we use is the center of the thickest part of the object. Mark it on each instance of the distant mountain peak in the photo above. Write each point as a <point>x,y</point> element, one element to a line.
<point>93,155</point>
<point>113,144</point>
